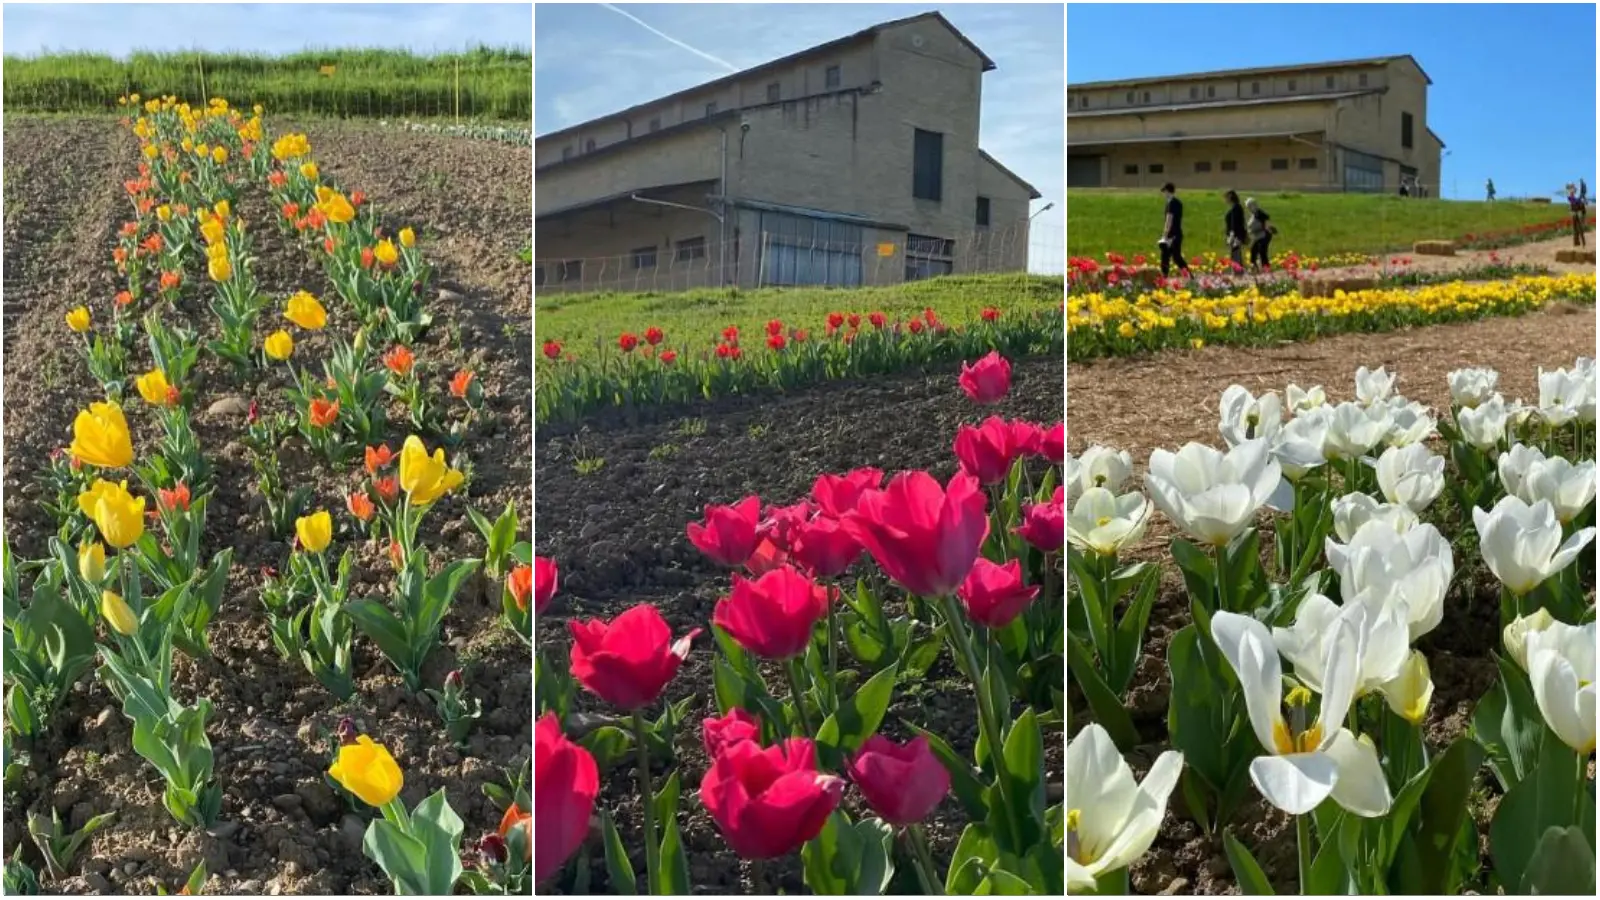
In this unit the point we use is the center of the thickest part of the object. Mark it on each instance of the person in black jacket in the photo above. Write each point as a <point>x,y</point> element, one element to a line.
<point>1171,242</point>
<point>1260,233</point>
<point>1233,230</point>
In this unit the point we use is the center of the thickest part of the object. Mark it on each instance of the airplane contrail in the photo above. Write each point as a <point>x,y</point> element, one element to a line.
<point>669,38</point>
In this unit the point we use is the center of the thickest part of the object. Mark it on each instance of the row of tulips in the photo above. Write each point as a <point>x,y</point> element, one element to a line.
<point>1340,745</point>
<point>976,563</point>
<point>652,367</point>
<point>1100,325</point>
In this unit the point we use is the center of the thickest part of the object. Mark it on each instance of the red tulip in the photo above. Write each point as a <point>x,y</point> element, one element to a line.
<point>729,533</point>
<point>566,781</point>
<point>1054,445</point>
<point>824,548</point>
<point>923,536</point>
<point>988,450</point>
<point>994,594</point>
<point>653,335</point>
<point>1044,525</point>
<point>769,801</point>
<point>629,661</point>
<point>902,783</point>
<point>766,557</point>
<point>837,494</point>
<point>736,726</point>
<point>1026,437</point>
<point>544,582</point>
<point>987,380</point>
<point>774,615</point>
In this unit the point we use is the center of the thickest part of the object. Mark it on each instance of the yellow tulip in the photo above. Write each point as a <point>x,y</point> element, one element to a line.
<point>385,252</point>
<point>153,387</point>
<point>133,98</point>
<point>118,514</point>
<point>213,230</point>
<point>279,345</point>
<point>100,437</point>
<point>219,268</point>
<point>407,237</point>
<point>334,205</point>
<point>314,531</point>
<point>78,319</point>
<point>92,561</point>
<point>290,146</point>
<point>164,213</point>
<point>150,151</point>
<point>309,170</point>
<point>223,209</point>
<point>219,155</point>
<point>424,478</point>
<point>304,310</point>
<point>366,769</point>
<point>201,149</point>
<point>118,614</point>
<point>256,109</point>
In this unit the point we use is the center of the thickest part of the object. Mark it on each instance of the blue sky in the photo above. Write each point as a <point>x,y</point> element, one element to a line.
<point>1513,94</point>
<point>590,60</point>
<point>118,29</point>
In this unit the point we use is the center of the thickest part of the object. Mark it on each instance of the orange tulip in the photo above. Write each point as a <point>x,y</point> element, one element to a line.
<point>324,413</point>
<point>361,506</point>
<point>378,457</point>
<point>175,499</point>
<point>400,360</point>
<point>460,384</point>
<point>388,489</point>
<point>514,819</point>
<point>520,584</point>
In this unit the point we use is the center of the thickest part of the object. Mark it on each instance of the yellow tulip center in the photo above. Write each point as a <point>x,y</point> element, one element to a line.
<point>1075,848</point>
<point>1102,522</point>
<point>1294,736</point>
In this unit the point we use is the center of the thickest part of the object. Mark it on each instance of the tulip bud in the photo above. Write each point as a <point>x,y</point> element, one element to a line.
<point>452,682</point>
<point>347,731</point>
<point>493,848</point>
<point>1515,636</point>
<point>118,614</point>
<point>92,561</point>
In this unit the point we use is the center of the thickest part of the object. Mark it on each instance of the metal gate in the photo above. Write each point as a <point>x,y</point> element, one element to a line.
<point>1083,171</point>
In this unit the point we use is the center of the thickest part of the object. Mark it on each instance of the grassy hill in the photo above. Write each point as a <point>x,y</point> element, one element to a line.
<point>1129,221</point>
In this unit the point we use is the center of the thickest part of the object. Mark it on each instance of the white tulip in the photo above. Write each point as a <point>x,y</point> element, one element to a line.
<point>1518,414</point>
<point>1484,426</point>
<point>1305,400</point>
<point>1310,640</point>
<point>1299,444</point>
<point>1381,568</point>
<point>1100,467</point>
<point>1306,761</point>
<point>1522,544</point>
<point>1214,496</point>
<point>1411,476</point>
<point>1568,487</point>
<point>1412,423</point>
<point>1514,637</point>
<point>1514,465</point>
<point>1560,395</point>
<point>1373,387</point>
<point>1352,511</point>
<point>1409,692</point>
<point>1103,523</point>
<point>1246,417</point>
<point>1470,388</point>
<point>1561,667</point>
<point>1111,819</point>
<point>1353,430</point>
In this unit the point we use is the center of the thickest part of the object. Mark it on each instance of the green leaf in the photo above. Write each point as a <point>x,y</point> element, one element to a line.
<point>1562,863</point>
<point>856,719</point>
<point>1199,573</point>
<point>672,876</point>
<point>1549,795</point>
<point>608,744</point>
<point>439,829</point>
<point>1023,771</point>
<point>1328,875</point>
<point>402,857</point>
<point>846,858</point>
<point>1252,881</point>
<point>619,869</point>
<point>1129,637</point>
<point>1108,710</point>
<point>1507,722</point>
<point>1443,808</point>
<point>975,853</point>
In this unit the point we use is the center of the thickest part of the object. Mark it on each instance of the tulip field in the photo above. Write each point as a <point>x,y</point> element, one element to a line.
<point>267,560</point>
<point>1345,644</point>
<point>784,646</point>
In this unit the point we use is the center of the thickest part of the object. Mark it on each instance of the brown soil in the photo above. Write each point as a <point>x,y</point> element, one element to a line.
<point>281,830</point>
<point>618,537</point>
<point>1169,399</point>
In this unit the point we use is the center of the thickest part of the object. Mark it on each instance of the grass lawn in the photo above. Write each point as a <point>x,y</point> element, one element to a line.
<point>582,320</point>
<point>1129,221</point>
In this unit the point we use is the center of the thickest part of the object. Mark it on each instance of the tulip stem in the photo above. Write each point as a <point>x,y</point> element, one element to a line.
<point>926,870</point>
<point>652,850</point>
<point>792,669</point>
<point>1302,827</point>
<point>758,876</point>
<point>988,723</point>
<point>833,651</point>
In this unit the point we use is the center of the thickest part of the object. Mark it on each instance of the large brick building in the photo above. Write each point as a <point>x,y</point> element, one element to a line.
<point>1358,125</point>
<point>853,162</point>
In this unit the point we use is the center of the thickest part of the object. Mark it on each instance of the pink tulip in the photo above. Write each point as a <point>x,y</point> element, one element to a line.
<point>987,380</point>
<point>923,536</point>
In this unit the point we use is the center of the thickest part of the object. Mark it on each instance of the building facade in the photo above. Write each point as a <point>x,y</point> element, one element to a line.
<point>1358,125</point>
<point>854,162</point>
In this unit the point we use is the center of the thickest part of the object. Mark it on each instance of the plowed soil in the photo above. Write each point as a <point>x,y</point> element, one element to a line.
<point>1142,403</point>
<point>282,830</point>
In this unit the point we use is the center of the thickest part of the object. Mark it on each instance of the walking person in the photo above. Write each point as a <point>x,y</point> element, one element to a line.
<point>1405,191</point>
<point>1583,191</point>
<point>1260,231</point>
<point>1580,209</point>
<point>1171,242</point>
<point>1488,187</point>
<point>1233,229</point>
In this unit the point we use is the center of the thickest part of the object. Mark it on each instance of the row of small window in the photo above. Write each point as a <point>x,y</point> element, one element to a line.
<point>830,78</point>
<point>1228,165</point>
<point>642,258</point>
<point>1211,90</point>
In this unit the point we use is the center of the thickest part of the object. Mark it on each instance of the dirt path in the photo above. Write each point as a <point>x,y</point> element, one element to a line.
<point>1539,253</point>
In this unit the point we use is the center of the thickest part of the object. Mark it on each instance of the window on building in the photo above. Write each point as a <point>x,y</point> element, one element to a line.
<point>1130,96</point>
<point>1328,82</point>
<point>1405,130</point>
<point>830,77</point>
<point>1130,169</point>
<point>711,109</point>
<point>773,92</point>
<point>1361,79</point>
<point>644,257</point>
<point>1230,165</point>
<point>1280,165</point>
<point>1083,101</point>
<point>1156,168</point>
<point>1211,90</point>
<point>1308,162</point>
<point>1255,88</point>
<point>655,124</point>
<point>1292,84</point>
<point>927,165</point>
<point>566,153</point>
<point>588,146</point>
<point>1194,93</point>
<point>538,276</point>
<point>1203,165</point>
<point>927,257</point>
<point>809,250</point>
<point>983,211</point>
<point>691,249</point>
<point>1147,96</point>
<point>571,270</point>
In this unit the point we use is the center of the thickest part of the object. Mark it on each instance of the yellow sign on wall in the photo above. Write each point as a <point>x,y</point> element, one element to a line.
<point>885,249</point>
<point>328,71</point>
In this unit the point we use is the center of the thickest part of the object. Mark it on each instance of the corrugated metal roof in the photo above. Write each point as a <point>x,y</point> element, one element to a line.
<point>1254,70</point>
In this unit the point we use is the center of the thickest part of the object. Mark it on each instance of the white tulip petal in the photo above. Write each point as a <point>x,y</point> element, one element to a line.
<point>1247,646</point>
<point>1360,786</point>
<point>1295,783</point>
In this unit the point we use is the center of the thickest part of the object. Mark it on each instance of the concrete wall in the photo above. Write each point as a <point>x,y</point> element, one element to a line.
<point>1212,89</point>
<point>687,156</point>
<point>606,240</point>
<point>1252,160</point>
